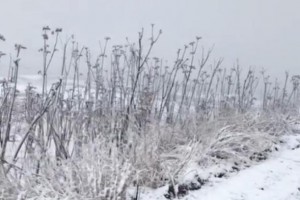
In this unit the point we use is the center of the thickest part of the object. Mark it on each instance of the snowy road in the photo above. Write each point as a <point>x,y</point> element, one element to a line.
<point>276,179</point>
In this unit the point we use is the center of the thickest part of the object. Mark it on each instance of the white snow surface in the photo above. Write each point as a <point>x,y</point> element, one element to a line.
<point>277,178</point>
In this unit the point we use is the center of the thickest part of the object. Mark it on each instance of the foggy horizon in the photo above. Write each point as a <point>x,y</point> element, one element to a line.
<point>261,34</point>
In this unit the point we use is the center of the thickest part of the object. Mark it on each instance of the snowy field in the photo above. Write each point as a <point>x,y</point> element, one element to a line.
<point>116,100</point>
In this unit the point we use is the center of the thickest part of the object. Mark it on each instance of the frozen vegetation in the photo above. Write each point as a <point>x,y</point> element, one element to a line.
<point>123,125</point>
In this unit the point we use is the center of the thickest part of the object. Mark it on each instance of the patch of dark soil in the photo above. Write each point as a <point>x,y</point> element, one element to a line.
<point>296,147</point>
<point>220,175</point>
<point>184,188</point>
<point>234,168</point>
<point>259,156</point>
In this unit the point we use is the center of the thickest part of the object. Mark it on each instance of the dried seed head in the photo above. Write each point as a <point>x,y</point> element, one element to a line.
<point>19,46</point>
<point>2,54</point>
<point>45,36</point>
<point>46,28</point>
<point>2,37</point>
<point>192,43</point>
<point>156,59</point>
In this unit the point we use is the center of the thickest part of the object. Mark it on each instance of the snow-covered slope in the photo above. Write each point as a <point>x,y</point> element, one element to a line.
<point>277,178</point>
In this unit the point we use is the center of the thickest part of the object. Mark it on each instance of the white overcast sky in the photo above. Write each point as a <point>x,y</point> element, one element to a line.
<point>261,33</point>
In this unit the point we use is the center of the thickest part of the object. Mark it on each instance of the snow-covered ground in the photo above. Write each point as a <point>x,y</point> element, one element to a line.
<point>277,178</point>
